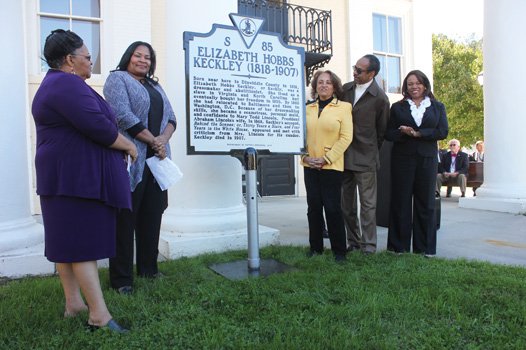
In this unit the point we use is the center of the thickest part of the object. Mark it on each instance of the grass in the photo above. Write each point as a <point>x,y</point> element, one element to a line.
<point>371,302</point>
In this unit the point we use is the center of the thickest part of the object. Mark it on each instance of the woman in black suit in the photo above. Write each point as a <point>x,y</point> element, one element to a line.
<point>415,124</point>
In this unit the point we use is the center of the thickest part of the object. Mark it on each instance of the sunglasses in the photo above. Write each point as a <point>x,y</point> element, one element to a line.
<point>359,70</point>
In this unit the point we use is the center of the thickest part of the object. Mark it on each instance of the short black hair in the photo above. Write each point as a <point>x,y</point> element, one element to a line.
<point>126,57</point>
<point>374,64</point>
<point>59,44</point>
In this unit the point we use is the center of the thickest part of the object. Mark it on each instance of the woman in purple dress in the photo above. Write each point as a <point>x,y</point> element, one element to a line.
<point>81,175</point>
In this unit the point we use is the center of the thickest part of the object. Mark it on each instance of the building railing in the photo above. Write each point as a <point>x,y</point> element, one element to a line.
<point>310,27</point>
<point>298,25</point>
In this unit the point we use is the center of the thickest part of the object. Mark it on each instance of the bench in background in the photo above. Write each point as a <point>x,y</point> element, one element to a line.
<point>475,174</point>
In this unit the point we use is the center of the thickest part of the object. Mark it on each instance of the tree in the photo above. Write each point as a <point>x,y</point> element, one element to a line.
<point>456,66</point>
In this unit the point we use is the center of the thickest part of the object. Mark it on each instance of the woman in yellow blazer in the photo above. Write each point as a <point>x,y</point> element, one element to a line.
<point>329,133</point>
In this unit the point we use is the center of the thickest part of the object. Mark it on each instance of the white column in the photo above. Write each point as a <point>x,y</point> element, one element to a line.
<point>504,187</point>
<point>21,251</point>
<point>422,49</point>
<point>205,212</point>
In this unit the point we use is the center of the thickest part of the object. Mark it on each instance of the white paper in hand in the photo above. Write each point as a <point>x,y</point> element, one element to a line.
<point>165,171</point>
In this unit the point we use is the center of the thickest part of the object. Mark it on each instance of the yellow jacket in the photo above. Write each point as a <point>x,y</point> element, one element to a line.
<point>329,135</point>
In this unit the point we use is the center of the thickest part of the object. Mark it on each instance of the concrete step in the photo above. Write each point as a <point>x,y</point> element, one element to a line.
<point>28,261</point>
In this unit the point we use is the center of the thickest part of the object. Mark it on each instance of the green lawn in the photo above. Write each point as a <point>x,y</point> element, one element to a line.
<point>371,302</point>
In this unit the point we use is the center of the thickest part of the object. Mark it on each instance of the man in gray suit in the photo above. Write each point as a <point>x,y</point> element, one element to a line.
<point>370,113</point>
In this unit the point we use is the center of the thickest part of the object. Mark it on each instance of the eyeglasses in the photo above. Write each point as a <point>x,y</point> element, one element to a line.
<point>86,57</point>
<point>359,70</point>
<point>453,144</point>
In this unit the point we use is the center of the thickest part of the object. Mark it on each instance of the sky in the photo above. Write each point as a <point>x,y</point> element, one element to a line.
<point>457,18</point>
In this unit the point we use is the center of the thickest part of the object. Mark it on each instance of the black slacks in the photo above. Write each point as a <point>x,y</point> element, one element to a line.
<point>149,203</point>
<point>324,193</point>
<point>413,184</point>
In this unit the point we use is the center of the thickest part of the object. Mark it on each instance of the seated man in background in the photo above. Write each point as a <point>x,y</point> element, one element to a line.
<point>478,155</point>
<point>455,164</point>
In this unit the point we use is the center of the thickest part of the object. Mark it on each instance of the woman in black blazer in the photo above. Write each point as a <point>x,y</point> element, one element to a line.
<point>416,123</point>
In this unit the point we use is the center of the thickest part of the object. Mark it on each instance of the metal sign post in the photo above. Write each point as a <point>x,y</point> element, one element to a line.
<point>245,92</point>
<point>250,158</point>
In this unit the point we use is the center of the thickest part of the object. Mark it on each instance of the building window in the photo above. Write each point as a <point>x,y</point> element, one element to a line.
<point>387,46</point>
<point>81,16</point>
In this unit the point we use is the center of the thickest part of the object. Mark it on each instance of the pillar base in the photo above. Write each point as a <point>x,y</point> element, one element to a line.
<point>26,261</point>
<point>22,233</point>
<point>22,249</point>
<point>196,221</point>
<point>504,205</point>
<point>173,245</point>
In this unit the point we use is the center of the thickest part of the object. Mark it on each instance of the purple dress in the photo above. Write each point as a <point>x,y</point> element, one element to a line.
<point>81,181</point>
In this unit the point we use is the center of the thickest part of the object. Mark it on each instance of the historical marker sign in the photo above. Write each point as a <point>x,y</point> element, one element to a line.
<point>244,88</point>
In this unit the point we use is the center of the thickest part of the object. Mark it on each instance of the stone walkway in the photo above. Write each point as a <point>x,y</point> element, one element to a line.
<point>464,233</point>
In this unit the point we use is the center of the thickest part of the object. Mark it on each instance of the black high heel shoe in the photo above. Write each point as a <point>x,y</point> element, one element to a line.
<point>112,326</point>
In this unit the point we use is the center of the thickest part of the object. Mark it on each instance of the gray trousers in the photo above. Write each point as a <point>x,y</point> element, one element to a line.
<point>361,232</point>
<point>459,180</point>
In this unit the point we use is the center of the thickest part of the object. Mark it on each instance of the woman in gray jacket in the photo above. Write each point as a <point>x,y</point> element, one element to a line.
<point>146,117</point>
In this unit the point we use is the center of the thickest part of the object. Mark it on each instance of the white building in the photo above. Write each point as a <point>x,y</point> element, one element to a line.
<point>206,211</point>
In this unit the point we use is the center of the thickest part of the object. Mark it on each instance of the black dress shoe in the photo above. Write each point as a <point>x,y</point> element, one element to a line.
<point>312,253</point>
<point>340,258</point>
<point>395,252</point>
<point>352,249</point>
<point>155,275</point>
<point>112,326</point>
<point>125,290</point>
